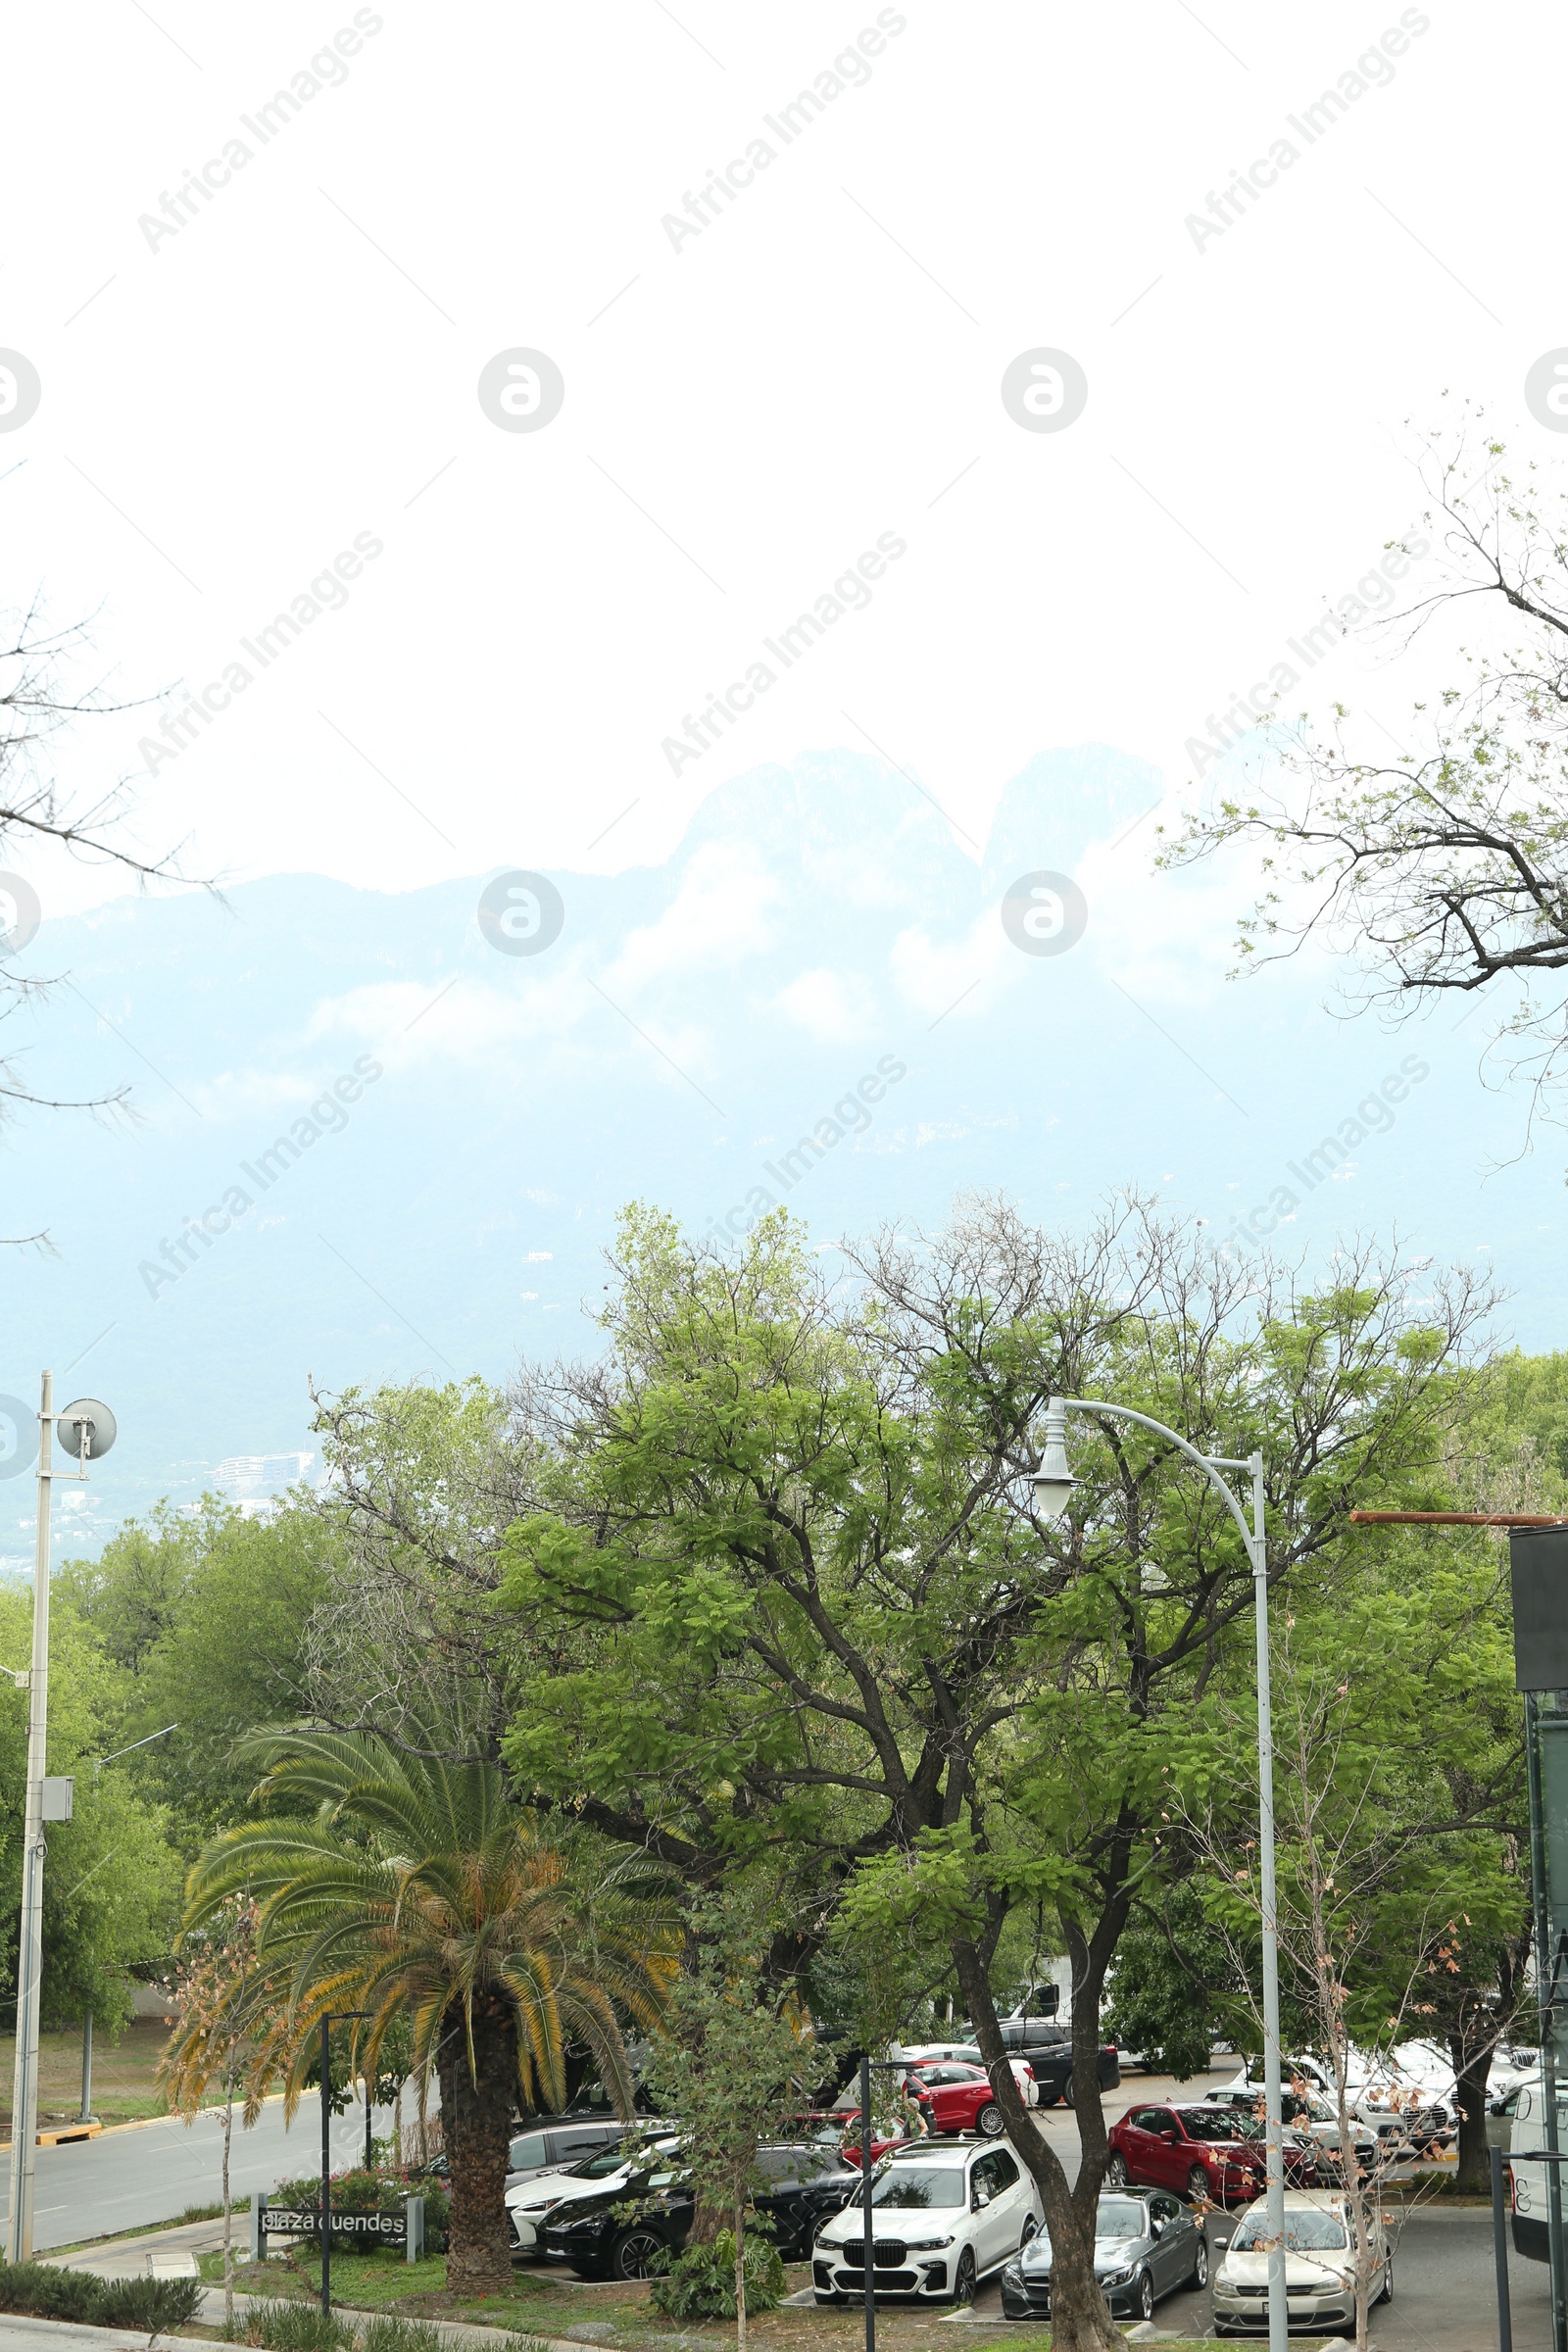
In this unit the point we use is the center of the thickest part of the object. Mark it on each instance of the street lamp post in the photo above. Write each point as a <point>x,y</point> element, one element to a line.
<point>1052,1483</point>
<point>327,2018</point>
<point>86,1433</point>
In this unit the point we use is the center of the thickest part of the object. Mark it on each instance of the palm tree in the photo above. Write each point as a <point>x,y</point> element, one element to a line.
<point>414,1888</point>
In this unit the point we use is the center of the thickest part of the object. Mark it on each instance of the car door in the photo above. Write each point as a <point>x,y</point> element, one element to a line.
<point>987,2209</point>
<point>1172,2163</point>
<point>1172,2258</point>
<point>1011,2201</point>
<point>1136,2144</point>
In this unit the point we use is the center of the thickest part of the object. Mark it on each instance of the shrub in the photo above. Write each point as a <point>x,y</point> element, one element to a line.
<point>294,2327</point>
<point>700,2283</point>
<point>366,2191</point>
<point>151,2304</point>
<point>46,2293</point>
<point>391,2333</point>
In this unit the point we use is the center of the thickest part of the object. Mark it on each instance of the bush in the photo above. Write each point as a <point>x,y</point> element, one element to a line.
<point>391,2333</point>
<point>364,2191</point>
<point>153,2305</point>
<point>46,2293</point>
<point>293,2327</point>
<point>700,2283</point>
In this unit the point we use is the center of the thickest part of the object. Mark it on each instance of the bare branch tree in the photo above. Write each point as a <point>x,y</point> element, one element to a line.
<point>36,705</point>
<point>1446,870</point>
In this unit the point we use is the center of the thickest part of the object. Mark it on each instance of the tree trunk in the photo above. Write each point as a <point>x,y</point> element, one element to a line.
<point>1471,2068</point>
<point>476,2133</point>
<point>1080,2320</point>
<point>740,2274</point>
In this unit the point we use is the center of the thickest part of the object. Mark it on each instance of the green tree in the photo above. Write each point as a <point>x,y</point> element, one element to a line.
<point>796,1607</point>
<point>111,1887</point>
<point>404,1886</point>
<point>730,2066</point>
<point>210,1617</point>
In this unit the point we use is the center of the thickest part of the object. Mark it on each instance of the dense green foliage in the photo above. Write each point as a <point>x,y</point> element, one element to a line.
<point>152,2306</point>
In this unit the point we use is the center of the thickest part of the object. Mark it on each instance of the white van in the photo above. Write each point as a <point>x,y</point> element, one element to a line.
<point>1528,2194</point>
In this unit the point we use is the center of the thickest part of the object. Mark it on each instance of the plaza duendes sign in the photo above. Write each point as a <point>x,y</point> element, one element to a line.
<point>389,2229</point>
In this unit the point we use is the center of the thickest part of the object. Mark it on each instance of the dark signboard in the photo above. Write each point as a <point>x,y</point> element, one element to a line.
<point>1538,1559</point>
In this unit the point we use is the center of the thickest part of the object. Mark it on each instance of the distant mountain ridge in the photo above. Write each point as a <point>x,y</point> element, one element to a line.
<point>693,1024</point>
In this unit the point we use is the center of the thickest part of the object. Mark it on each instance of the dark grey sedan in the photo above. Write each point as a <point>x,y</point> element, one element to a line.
<point>1146,2247</point>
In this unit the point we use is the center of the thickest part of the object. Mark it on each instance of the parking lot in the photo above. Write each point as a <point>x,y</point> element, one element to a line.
<point>1445,2294</point>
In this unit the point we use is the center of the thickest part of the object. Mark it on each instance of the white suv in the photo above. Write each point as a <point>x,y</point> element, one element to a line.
<point>943,2215</point>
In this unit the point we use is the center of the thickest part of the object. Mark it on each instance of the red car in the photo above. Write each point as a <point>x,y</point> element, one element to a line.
<point>1196,2151</point>
<point>961,2098</point>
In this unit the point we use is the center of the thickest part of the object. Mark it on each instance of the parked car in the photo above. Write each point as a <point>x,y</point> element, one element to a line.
<point>1310,2134</point>
<point>1400,2106</point>
<point>1145,2247</point>
<point>1200,2152</point>
<point>1048,2049</point>
<point>1319,2267</point>
<point>556,2145</point>
<point>967,2053</point>
<point>530,2204</point>
<point>961,2098</point>
<point>623,2231</point>
<point>943,2217</point>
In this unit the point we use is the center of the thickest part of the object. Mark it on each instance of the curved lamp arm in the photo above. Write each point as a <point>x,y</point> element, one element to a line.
<point>1053,1482</point>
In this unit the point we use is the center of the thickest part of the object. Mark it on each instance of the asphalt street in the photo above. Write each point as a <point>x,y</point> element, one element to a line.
<point>151,2172</point>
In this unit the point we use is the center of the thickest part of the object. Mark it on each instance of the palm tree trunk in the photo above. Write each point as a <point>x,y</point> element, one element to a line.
<point>476,2131</point>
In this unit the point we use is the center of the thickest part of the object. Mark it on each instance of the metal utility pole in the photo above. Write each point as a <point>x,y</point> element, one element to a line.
<point>30,1963</point>
<point>87,1430</point>
<point>1052,1483</point>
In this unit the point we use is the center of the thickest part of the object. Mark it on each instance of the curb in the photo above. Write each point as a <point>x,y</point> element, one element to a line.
<point>140,2123</point>
<point>453,2332</point>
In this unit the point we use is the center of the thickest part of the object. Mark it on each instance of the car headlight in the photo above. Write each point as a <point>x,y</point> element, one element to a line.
<point>927,2245</point>
<point>1013,2274</point>
<point>1121,2277</point>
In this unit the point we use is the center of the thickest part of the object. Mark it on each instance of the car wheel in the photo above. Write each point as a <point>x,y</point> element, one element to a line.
<point>1198,2185</point>
<point>990,2121</point>
<point>1030,2225</point>
<point>1386,2295</point>
<point>632,2254</point>
<point>1116,2172</point>
<point>963,2277</point>
<point>1146,2295</point>
<point>1067,2092</point>
<point>1200,2276</point>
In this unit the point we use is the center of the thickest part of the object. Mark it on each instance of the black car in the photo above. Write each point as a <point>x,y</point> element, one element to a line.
<point>1048,2047</point>
<point>623,2236</point>
<point>1145,2246</point>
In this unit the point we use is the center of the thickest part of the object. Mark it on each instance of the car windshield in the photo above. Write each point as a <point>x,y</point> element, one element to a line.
<point>919,2187</point>
<point>1119,2218</point>
<point>599,2167</point>
<point>1304,2233</point>
<point>1211,2122</point>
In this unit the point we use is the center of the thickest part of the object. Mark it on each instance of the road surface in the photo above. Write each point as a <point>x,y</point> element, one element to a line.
<point>151,2171</point>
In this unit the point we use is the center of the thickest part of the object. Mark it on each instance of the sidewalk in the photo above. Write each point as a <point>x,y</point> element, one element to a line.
<point>128,2257</point>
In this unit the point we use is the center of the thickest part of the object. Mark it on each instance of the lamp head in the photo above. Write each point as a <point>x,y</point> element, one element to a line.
<point>1053,1481</point>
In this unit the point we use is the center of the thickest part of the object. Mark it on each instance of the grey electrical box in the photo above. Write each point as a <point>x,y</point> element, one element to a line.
<point>57,1798</point>
<point>1538,1559</point>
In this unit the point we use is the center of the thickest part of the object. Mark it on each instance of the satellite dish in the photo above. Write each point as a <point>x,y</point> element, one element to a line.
<point>100,1423</point>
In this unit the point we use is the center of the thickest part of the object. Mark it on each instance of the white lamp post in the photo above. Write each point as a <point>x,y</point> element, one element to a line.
<point>86,1431</point>
<point>1054,1484</point>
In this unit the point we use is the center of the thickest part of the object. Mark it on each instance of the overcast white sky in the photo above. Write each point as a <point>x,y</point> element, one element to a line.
<point>227,407</point>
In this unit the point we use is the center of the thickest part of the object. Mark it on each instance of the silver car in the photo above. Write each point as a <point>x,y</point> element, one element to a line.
<point>1146,2244</point>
